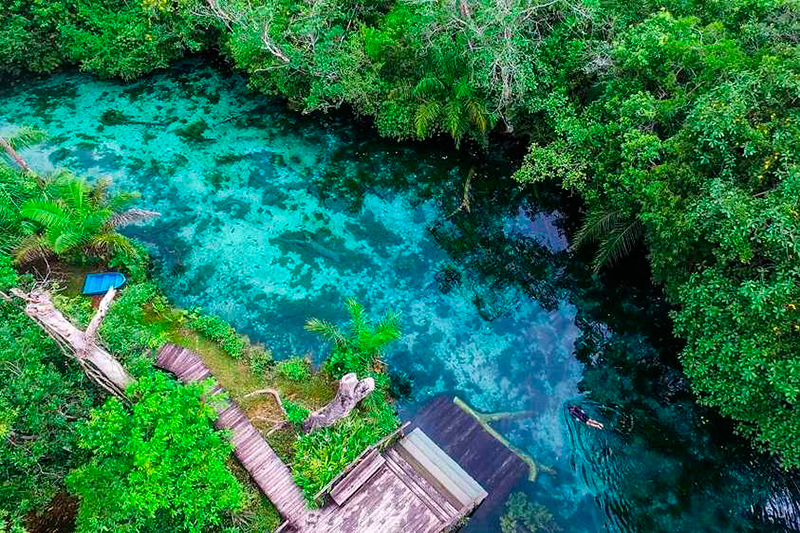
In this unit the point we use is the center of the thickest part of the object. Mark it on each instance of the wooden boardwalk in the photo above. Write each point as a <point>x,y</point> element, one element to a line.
<point>264,466</point>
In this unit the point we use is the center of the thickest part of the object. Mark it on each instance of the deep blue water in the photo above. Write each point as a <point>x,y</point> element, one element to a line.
<point>270,217</point>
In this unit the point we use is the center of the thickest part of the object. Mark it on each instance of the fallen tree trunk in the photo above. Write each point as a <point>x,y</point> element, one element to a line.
<point>351,391</point>
<point>99,365</point>
<point>14,156</point>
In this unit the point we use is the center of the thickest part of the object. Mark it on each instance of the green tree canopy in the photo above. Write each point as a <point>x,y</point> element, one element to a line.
<point>156,465</point>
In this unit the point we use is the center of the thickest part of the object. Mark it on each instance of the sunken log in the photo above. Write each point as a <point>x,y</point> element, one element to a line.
<point>96,362</point>
<point>351,391</point>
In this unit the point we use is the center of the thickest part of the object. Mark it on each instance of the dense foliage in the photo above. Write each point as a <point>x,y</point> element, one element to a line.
<point>133,466</point>
<point>677,122</point>
<point>43,397</point>
<point>322,454</point>
<point>217,329</point>
<point>157,465</point>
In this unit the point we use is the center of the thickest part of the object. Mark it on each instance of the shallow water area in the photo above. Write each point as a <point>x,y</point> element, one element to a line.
<point>269,218</point>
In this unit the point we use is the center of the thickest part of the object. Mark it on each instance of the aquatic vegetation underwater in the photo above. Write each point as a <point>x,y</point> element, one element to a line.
<point>268,218</point>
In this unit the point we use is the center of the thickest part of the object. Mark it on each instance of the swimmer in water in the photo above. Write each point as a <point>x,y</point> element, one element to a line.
<point>580,415</point>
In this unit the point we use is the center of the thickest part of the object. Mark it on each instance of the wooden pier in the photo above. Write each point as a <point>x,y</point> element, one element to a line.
<point>411,486</point>
<point>478,450</point>
<point>264,466</point>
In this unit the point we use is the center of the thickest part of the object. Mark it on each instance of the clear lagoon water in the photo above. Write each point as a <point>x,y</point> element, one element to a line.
<point>269,217</point>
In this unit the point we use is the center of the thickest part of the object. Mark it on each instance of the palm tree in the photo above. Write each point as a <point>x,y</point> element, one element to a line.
<point>362,342</point>
<point>457,108</point>
<point>74,216</point>
<point>616,232</point>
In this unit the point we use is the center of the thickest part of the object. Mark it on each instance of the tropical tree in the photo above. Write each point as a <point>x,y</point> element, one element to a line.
<point>157,465</point>
<point>74,216</point>
<point>359,347</point>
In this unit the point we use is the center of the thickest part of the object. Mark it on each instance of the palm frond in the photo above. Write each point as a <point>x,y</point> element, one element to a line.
<point>110,243</point>
<point>478,115</point>
<point>98,191</point>
<point>45,212</point>
<point>65,241</point>
<point>462,88</point>
<point>31,248</point>
<point>25,137</point>
<point>427,86</point>
<point>74,191</point>
<point>597,224</point>
<point>617,244</point>
<point>118,202</point>
<point>454,119</point>
<point>131,216</point>
<point>388,329</point>
<point>403,91</point>
<point>359,323</point>
<point>325,329</point>
<point>425,117</point>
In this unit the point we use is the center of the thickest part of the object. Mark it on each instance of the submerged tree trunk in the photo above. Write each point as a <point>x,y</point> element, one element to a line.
<point>351,391</point>
<point>99,365</point>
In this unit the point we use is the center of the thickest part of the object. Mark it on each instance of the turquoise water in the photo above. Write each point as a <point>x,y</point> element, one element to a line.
<point>269,217</point>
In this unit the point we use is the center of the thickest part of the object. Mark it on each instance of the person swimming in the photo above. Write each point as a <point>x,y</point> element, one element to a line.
<point>581,416</point>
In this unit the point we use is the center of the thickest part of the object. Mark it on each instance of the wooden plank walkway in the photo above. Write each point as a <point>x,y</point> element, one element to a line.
<point>265,467</point>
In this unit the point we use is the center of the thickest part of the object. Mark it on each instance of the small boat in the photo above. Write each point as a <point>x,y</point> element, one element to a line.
<point>100,282</point>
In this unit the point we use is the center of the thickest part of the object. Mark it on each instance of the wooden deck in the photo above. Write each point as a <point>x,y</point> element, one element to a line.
<point>411,487</point>
<point>493,465</point>
<point>265,467</point>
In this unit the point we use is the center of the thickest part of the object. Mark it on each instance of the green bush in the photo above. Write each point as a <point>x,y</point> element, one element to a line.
<point>156,465</point>
<point>127,330</point>
<point>322,454</point>
<point>133,261</point>
<point>259,360</point>
<point>220,331</point>
<point>295,414</point>
<point>8,275</point>
<point>295,369</point>
<point>43,396</point>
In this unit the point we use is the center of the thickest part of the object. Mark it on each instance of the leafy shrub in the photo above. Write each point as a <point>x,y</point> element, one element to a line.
<point>157,465</point>
<point>322,454</point>
<point>43,396</point>
<point>220,331</point>
<point>133,261</point>
<point>126,329</point>
<point>295,369</point>
<point>259,360</point>
<point>295,414</point>
<point>8,275</point>
<point>128,39</point>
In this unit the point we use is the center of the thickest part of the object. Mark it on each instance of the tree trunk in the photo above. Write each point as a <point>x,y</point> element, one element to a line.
<point>351,391</point>
<point>99,365</point>
<point>14,155</point>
